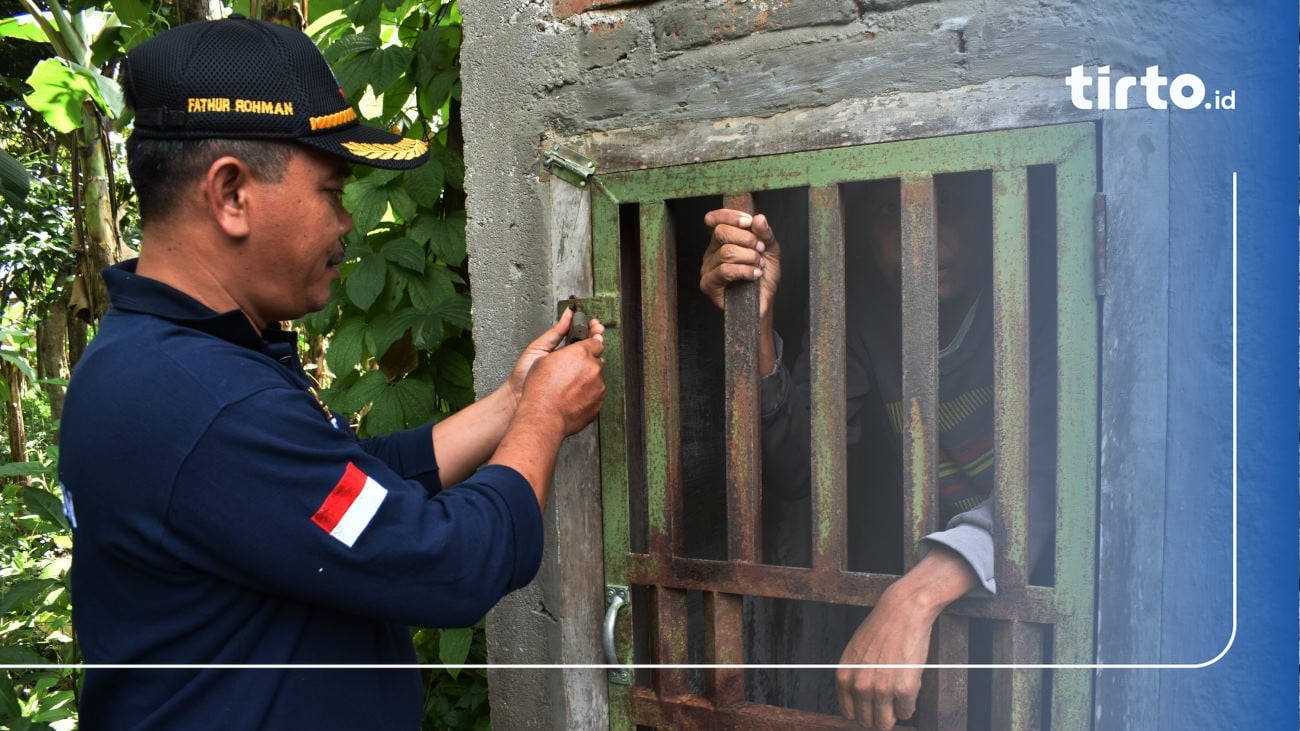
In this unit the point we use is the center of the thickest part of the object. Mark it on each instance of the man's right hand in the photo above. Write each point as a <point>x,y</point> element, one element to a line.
<point>742,248</point>
<point>562,393</point>
<point>567,384</point>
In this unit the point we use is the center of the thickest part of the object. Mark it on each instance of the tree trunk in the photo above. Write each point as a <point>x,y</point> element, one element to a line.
<point>52,356</point>
<point>102,240</point>
<point>14,412</point>
<point>188,11</point>
<point>284,12</point>
<point>314,363</point>
<point>77,337</point>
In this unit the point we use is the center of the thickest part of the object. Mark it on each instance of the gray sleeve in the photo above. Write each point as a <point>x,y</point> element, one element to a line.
<point>970,534</point>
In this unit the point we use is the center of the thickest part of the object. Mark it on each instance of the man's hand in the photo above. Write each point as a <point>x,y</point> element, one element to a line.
<point>566,384</point>
<point>544,345</point>
<point>897,632</point>
<point>562,392</point>
<point>742,248</point>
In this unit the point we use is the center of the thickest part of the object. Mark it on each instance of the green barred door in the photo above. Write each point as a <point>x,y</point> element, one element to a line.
<point>671,608</point>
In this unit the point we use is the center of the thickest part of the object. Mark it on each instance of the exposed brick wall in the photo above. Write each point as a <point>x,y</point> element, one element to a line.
<point>566,8</point>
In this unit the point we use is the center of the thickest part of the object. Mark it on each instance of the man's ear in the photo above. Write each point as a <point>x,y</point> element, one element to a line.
<point>226,192</point>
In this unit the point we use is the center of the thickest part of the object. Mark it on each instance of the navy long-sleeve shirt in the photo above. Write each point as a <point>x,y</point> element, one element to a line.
<point>224,516</point>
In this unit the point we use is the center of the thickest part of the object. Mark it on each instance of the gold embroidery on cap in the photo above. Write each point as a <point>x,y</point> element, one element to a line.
<point>253,106</point>
<point>326,121</point>
<point>242,106</point>
<point>405,149</point>
<point>207,104</point>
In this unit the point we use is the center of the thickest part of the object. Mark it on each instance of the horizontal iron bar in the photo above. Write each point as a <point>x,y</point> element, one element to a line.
<point>1030,604</point>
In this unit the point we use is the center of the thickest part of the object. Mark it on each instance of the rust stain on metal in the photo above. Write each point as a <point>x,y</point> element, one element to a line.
<point>743,469</point>
<point>920,361</point>
<point>826,321</point>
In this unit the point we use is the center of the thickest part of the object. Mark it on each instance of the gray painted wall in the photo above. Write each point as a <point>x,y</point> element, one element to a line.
<point>632,81</point>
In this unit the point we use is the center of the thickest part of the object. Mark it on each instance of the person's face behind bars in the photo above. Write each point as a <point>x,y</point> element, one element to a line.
<point>960,251</point>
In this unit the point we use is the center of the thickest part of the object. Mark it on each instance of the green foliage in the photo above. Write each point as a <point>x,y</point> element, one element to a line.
<point>455,698</point>
<point>36,257</point>
<point>398,321</point>
<point>397,325</point>
<point>35,610</point>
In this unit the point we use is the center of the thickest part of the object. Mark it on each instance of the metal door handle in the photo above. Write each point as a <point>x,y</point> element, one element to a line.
<point>615,599</point>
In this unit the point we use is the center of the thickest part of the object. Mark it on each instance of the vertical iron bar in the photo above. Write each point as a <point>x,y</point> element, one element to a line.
<point>1017,693</point>
<point>944,693</point>
<point>724,645</point>
<point>662,404</point>
<point>723,614</point>
<point>1011,375</point>
<point>606,270</point>
<point>1076,432</point>
<point>662,431</point>
<point>920,362</point>
<point>743,467</point>
<point>669,642</point>
<point>826,323</point>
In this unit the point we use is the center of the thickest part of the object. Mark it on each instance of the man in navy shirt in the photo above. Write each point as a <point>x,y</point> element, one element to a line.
<point>222,515</point>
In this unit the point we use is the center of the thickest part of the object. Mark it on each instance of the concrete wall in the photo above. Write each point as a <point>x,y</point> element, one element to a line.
<point>671,81</point>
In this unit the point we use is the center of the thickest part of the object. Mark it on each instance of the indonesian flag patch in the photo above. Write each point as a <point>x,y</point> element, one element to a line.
<point>350,506</point>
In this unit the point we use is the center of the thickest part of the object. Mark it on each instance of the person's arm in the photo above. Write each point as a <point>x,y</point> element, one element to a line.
<point>897,632</point>
<point>562,393</point>
<point>466,439</point>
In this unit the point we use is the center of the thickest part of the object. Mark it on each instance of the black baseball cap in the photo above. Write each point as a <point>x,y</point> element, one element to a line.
<point>240,78</point>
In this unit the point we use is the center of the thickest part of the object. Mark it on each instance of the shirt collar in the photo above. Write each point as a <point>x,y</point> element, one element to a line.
<point>131,292</point>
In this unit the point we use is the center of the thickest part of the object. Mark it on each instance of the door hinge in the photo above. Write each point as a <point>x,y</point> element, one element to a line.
<point>1099,240</point>
<point>568,165</point>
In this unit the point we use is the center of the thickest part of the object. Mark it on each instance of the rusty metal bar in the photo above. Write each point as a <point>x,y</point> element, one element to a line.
<point>669,642</point>
<point>694,713</point>
<point>1039,603</point>
<point>1076,430</point>
<point>920,362</point>
<point>1011,375</point>
<point>826,323</point>
<point>944,693</point>
<point>724,644</point>
<point>1017,693</point>
<point>744,473</point>
<point>614,447</point>
<point>662,405</point>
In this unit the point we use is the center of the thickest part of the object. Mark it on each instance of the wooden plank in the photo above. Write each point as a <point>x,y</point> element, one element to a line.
<point>885,118</point>
<point>571,580</point>
<point>1134,408</point>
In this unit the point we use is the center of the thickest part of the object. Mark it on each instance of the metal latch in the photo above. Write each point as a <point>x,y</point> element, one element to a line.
<point>568,165</point>
<point>604,309</point>
<point>616,597</point>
